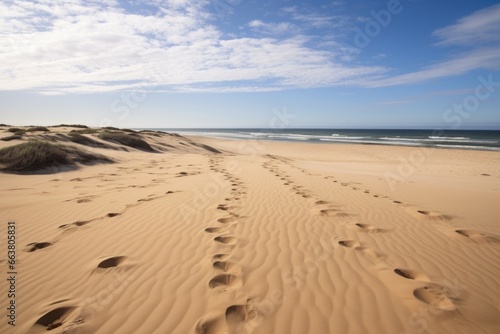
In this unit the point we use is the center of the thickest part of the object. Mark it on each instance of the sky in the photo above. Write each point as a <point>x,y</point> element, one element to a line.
<point>245,63</point>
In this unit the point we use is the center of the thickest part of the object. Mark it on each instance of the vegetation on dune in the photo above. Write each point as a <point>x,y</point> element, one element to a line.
<point>37,155</point>
<point>13,137</point>
<point>111,128</point>
<point>70,126</point>
<point>17,131</point>
<point>37,128</point>
<point>129,130</point>
<point>131,140</point>
<point>85,131</point>
<point>154,133</point>
<point>80,139</point>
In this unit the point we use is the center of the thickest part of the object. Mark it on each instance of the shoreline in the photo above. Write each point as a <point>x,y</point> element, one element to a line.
<point>464,148</point>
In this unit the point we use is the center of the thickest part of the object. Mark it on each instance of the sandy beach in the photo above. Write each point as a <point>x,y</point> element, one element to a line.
<point>229,236</point>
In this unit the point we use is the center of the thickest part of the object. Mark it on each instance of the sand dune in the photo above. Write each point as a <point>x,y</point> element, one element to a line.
<point>299,238</point>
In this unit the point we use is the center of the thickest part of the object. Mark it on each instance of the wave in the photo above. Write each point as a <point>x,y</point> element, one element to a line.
<point>448,138</point>
<point>444,140</point>
<point>400,143</point>
<point>470,147</point>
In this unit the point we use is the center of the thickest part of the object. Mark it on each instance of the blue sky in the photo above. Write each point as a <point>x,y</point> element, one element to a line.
<point>237,63</point>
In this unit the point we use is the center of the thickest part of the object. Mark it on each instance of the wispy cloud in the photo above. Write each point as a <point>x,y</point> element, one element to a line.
<point>482,26</point>
<point>270,28</point>
<point>477,34</point>
<point>486,58</point>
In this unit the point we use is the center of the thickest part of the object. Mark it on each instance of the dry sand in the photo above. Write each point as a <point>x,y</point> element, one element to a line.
<point>264,237</point>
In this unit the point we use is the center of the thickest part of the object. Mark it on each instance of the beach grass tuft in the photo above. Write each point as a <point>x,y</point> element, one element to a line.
<point>37,155</point>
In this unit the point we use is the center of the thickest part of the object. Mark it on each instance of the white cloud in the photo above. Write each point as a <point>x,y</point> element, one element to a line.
<point>79,46</point>
<point>479,27</point>
<point>269,28</point>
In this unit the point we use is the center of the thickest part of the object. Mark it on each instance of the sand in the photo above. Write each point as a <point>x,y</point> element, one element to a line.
<point>262,237</point>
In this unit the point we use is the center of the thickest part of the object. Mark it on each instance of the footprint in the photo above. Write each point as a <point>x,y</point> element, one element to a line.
<point>222,207</point>
<point>239,317</point>
<point>84,200</point>
<point>111,262</point>
<point>357,246</point>
<point>113,214</point>
<point>479,236</point>
<point>33,247</point>
<point>432,215</point>
<point>226,240</point>
<point>334,213</point>
<point>215,229</point>
<point>220,257</point>
<point>223,265</point>
<point>226,220</point>
<point>411,274</point>
<point>369,228</point>
<point>212,326</point>
<point>55,318</point>
<point>81,222</point>
<point>437,296</point>
<point>322,202</point>
<point>349,244</point>
<point>224,280</point>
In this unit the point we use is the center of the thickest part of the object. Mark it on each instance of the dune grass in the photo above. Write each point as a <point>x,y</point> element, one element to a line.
<point>153,133</point>
<point>38,155</point>
<point>134,141</point>
<point>37,128</point>
<point>17,131</point>
<point>85,131</point>
<point>78,138</point>
<point>13,137</point>
<point>70,126</point>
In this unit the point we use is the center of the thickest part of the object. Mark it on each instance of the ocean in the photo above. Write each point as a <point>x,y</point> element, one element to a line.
<point>458,139</point>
